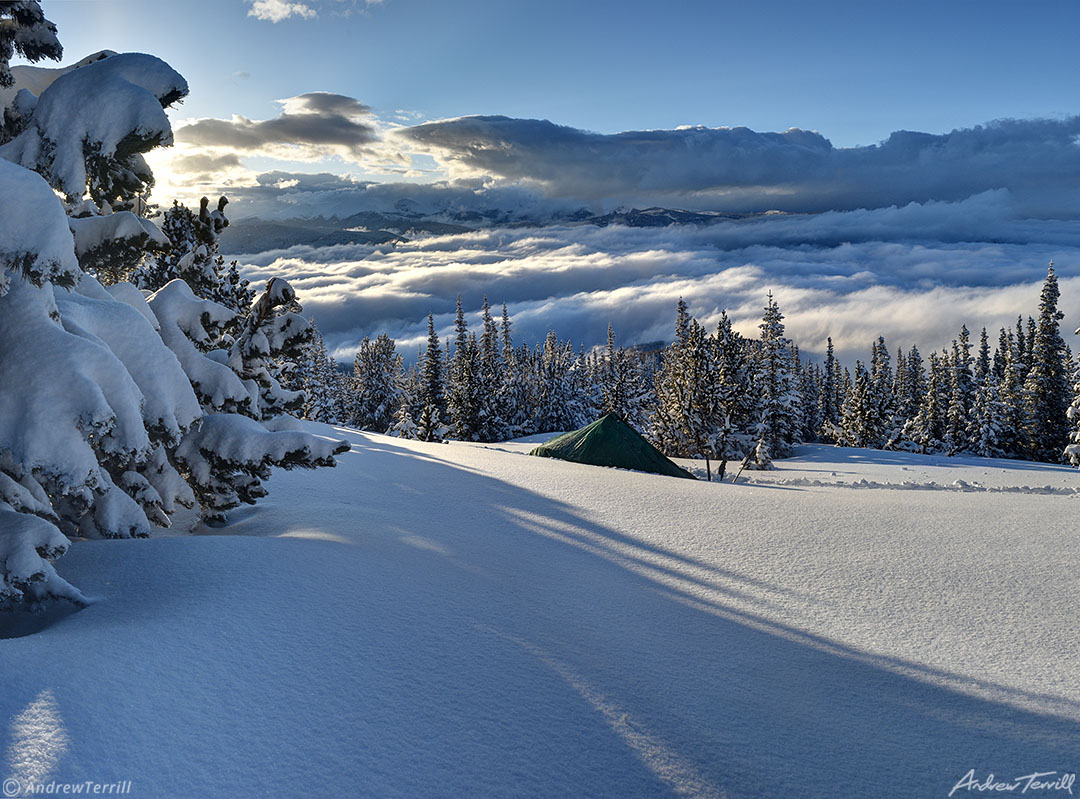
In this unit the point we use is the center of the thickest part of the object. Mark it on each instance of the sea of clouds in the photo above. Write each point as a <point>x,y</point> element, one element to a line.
<point>913,274</point>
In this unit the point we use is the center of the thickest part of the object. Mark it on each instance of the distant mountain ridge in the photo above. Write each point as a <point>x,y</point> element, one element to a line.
<point>404,223</point>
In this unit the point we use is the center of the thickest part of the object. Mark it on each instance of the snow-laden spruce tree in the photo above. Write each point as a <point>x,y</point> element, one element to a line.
<point>430,424</point>
<point>672,391</point>
<point>374,389</point>
<point>74,424</point>
<point>734,393</point>
<point>986,427</point>
<point>89,397</point>
<point>829,407</point>
<point>86,134</point>
<point>465,400</point>
<point>192,256</point>
<point>404,424</point>
<point>868,415</point>
<point>1047,391</point>
<point>1072,451</point>
<point>245,429</point>
<point>883,407</point>
<point>514,390</point>
<point>925,431</point>
<point>24,31</point>
<point>857,417</point>
<point>809,375</point>
<point>560,402</point>
<point>621,384</point>
<point>110,415</point>
<point>491,425</point>
<point>686,415</point>
<point>779,400</point>
<point>314,374</point>
<point>1012,390</point>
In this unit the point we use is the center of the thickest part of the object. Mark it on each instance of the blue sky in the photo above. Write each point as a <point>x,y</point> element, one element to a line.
<point>853,71</point>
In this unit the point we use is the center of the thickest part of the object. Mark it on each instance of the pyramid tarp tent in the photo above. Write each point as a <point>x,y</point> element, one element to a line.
<point>609,441</point>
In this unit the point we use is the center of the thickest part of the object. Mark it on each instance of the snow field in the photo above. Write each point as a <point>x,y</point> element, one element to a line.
<point>461,620</point>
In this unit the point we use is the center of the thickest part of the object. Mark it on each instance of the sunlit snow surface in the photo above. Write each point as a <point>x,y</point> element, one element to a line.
<point>461,620</point>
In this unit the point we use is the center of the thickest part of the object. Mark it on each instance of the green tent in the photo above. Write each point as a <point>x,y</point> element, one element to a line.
<point>609,441</point>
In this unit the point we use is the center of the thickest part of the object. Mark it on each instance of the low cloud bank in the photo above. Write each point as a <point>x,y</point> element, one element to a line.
<point>913,274</point>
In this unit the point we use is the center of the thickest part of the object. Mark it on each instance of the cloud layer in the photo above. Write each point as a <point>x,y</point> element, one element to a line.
<point>738,169</point>
<point>698,168</point>
<point>913,274</point>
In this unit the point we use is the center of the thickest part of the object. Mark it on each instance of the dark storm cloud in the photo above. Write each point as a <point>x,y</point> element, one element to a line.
<point>319,122</point>
<point>739,169</point>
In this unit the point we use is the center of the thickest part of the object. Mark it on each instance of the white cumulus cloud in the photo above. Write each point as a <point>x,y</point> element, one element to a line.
<point>277,10</point>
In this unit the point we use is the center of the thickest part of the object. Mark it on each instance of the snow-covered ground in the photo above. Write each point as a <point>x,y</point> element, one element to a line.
<point>460,620</point>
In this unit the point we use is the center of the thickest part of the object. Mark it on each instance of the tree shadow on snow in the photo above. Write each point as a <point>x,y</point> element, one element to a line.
<point>660,647</point>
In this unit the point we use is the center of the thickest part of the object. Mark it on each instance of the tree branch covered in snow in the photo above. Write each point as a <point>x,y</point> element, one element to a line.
<point>115,410</point>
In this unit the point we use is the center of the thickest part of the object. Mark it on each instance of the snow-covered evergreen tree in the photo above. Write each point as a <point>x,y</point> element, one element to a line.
<point>987,425</point>
<point>430,425</point>
<point>89,129</point>
<point>926,430</point>
<point>686,386</point>
<point>404,426</point>
<point>1000,354</point>
<point>242,433</point>
<point>113,410</point>
<point>759,457</point>
<point>272,331</point>
<point>858,422</point>
<point>882,416</point>
<point>24,31</point>
<point>735,399</point>
<point>621,384</point>
<point>86,134</point>
<point>491,425</point>
<point>779,399</point>
<point>829,401</point>
<point>90,399</point>
<point>983,362</point>
<point>1047,393</point>
<point>674,391</point>
<point>514,390</point>
<point>316,378</point>
<point>809,375</point>
<point>464,399</point>
<point>965,370</point>
<point>559,401</point>
<point>376,384</point>
<point>192,256</point>
<point>1072,450</point>
<point>956,413</point>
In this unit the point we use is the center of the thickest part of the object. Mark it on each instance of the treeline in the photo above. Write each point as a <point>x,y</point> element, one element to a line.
<point>717,395</point>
